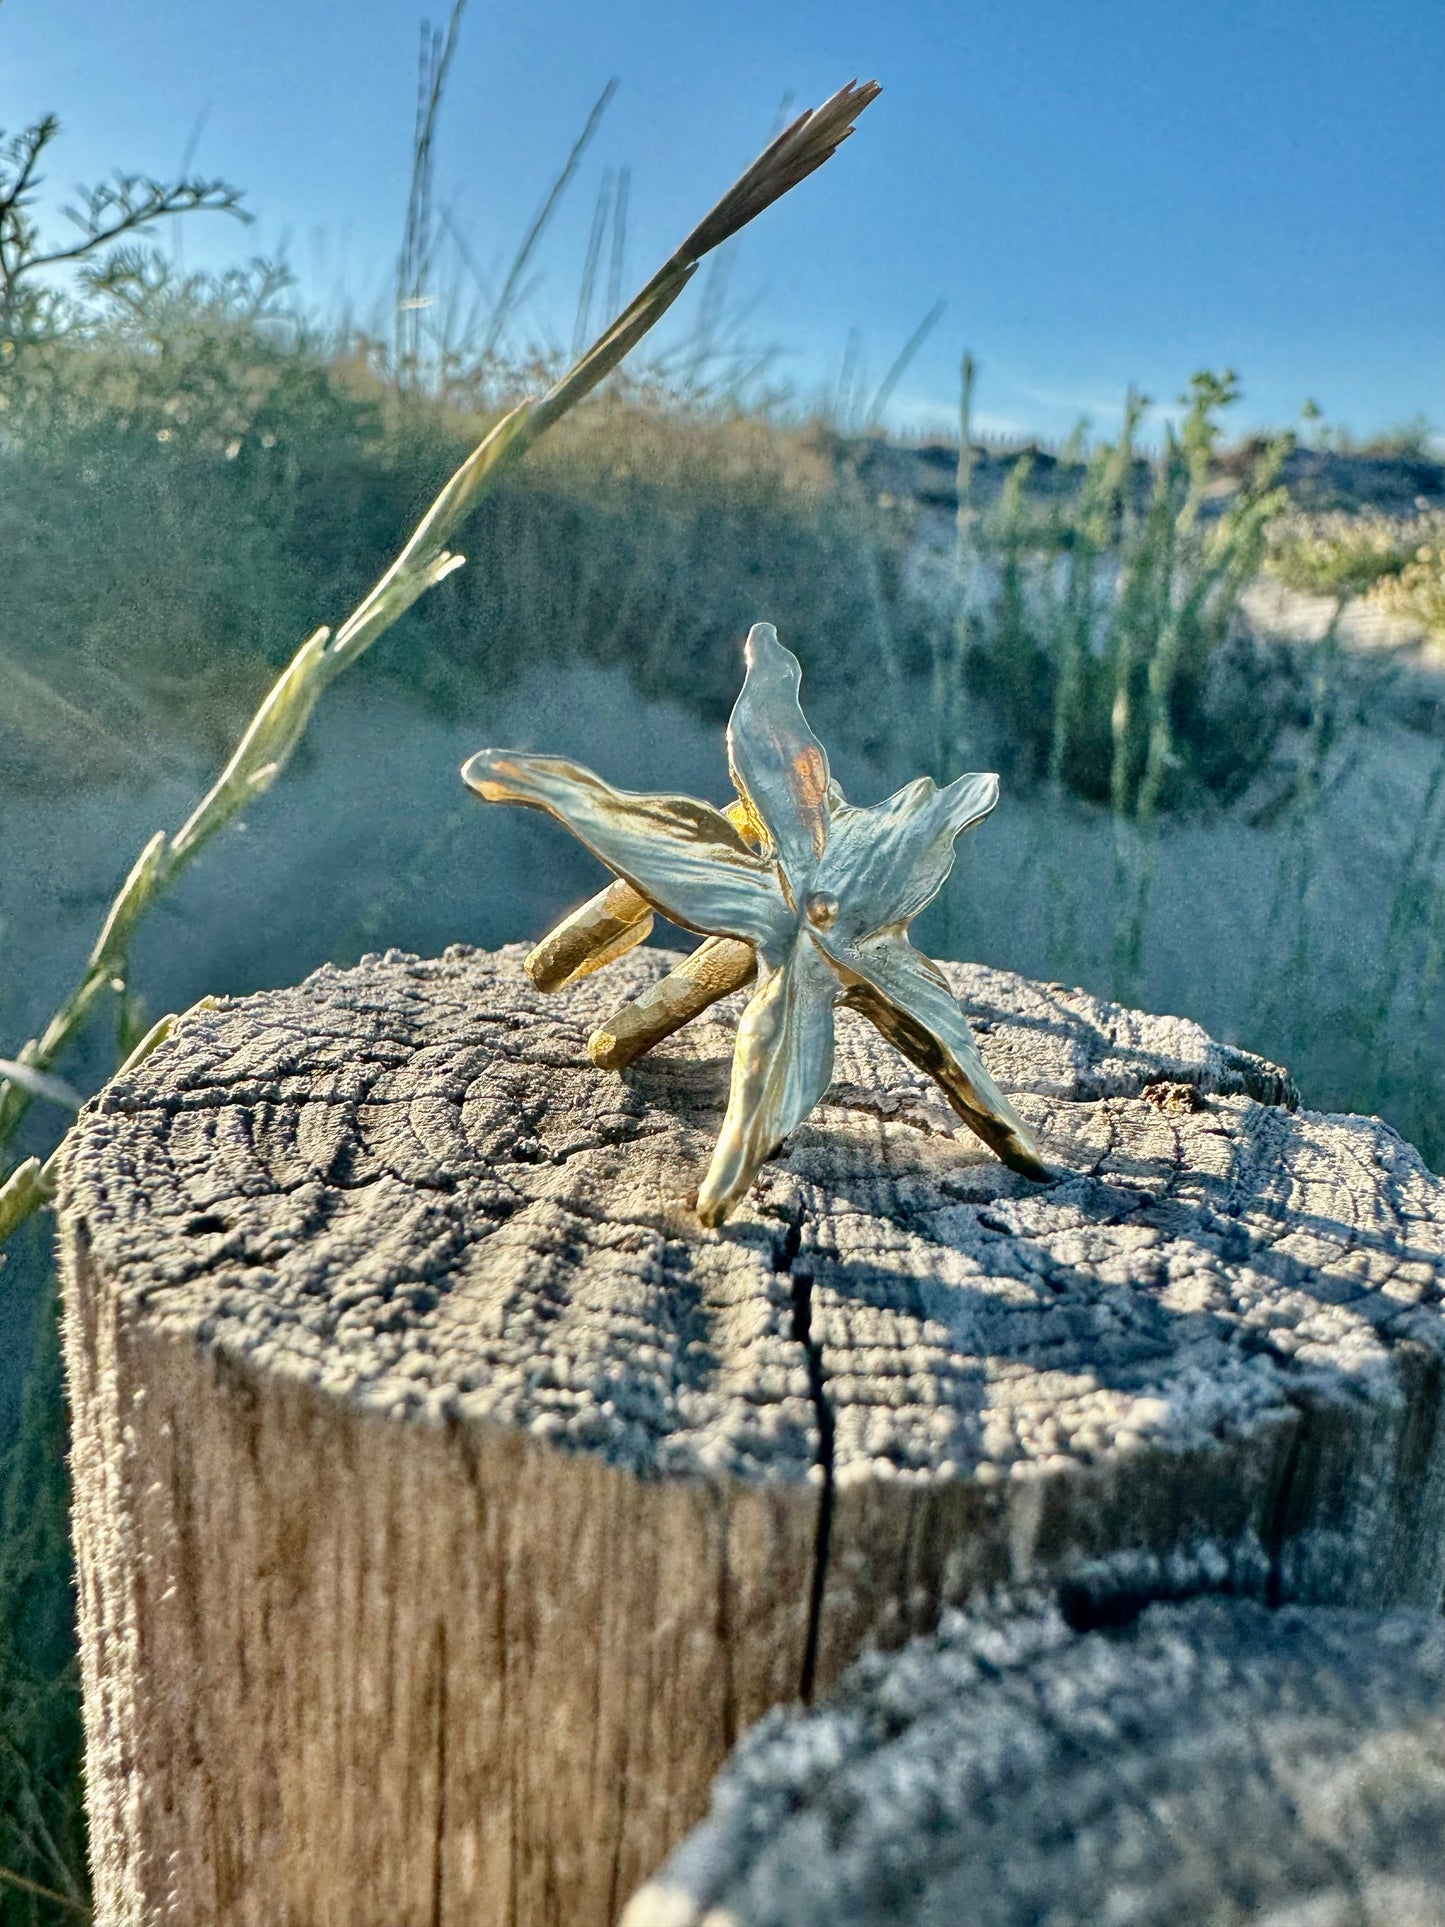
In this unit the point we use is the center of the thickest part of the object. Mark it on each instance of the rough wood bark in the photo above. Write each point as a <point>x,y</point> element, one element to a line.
<point>1214,1765</point>
<point>447,1501</point>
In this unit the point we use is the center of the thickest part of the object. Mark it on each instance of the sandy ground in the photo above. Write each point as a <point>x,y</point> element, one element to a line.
<point>370,840</point>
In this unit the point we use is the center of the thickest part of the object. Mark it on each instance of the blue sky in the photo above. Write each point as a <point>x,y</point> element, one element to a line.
<point>1100,190</point>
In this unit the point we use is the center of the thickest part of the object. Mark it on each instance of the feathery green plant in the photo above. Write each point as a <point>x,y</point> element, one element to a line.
<point>947,687</point>
<point>31,307</point>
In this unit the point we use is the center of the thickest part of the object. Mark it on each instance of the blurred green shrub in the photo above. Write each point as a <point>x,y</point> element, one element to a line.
<point>1111,644</point>
<point>1398,562</point>
<point>182,487</point>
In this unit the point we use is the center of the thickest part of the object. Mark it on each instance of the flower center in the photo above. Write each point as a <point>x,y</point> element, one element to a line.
<point>821,909</point>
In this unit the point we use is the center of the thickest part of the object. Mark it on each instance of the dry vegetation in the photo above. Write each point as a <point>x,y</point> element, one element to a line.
<point>1396,562</point>
<point>191,477</point>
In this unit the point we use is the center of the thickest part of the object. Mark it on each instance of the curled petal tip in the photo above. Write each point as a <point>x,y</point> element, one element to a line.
<point>712,1203</point>
<point>493,775</point>
<point>477,770</point>
<point>970,797</point>
<point>762,650</point>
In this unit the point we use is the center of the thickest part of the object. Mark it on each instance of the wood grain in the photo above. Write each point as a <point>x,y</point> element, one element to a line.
<point>1212,1765</point>
<point>448,1500</point>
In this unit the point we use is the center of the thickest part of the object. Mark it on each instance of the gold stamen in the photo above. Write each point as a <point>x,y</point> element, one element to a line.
<point>715,968</point>
<point>603,929</point>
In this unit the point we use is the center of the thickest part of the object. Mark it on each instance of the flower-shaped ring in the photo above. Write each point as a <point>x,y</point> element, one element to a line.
<point>794,884</point>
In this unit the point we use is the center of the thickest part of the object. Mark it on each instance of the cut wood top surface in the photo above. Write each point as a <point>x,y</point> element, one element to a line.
<point>1211,1766</point>
<point>406,1184</point>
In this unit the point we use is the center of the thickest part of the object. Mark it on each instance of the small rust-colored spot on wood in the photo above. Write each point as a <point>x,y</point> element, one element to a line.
<point>1175,1100</point>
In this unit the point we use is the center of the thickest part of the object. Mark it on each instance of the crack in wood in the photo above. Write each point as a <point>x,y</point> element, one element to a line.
<point>786,1260</point>
<point>655,1480</point>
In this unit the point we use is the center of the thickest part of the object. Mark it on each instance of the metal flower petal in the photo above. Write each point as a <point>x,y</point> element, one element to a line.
<point>778,766</point>
<point>685,857</point>
<point>782,1064</point>
<point>908,998</point>
<point>885,863</point>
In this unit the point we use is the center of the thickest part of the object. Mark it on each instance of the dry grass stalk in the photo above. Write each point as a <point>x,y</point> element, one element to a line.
<point>277,727</point>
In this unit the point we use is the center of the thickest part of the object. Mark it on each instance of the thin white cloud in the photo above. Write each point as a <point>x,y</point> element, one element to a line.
<point>926,415</point>
<point>1073,404</point>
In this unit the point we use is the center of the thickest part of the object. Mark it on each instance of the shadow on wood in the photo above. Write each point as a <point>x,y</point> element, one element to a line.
<point>448,1501</point>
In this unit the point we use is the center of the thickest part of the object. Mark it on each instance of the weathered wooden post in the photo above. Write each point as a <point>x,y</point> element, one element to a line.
<point>448,1501</point>
<point>1210,1763</point>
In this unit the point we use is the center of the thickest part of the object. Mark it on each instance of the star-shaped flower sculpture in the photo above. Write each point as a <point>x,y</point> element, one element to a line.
<point>791,884</point>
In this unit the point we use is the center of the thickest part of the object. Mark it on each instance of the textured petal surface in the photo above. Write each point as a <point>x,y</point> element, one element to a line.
<point>782,1064</point>
<point>908,999</point>
<point>778,765</point>
<point>685,857</point>
<point>886,862</point>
